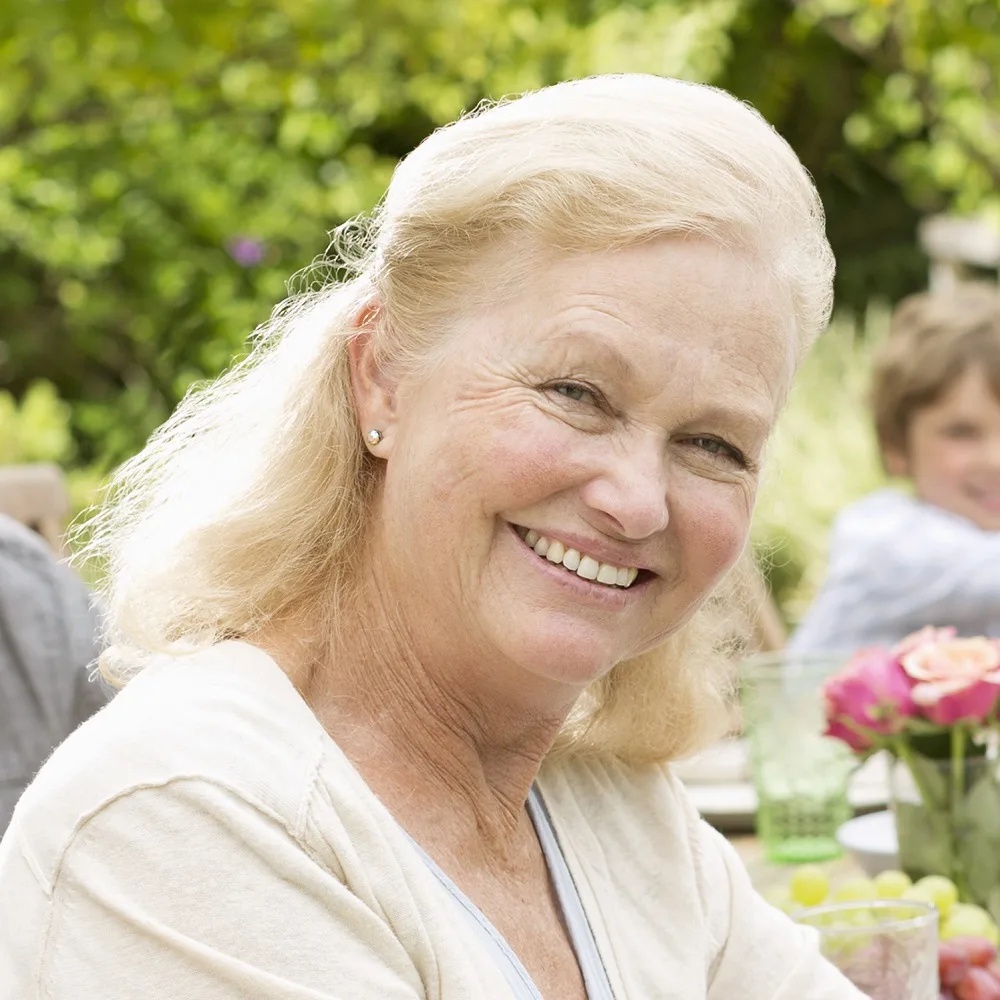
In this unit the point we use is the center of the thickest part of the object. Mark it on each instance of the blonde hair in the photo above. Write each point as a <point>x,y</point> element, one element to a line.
<point>933,341</point>
<point>249,505</point>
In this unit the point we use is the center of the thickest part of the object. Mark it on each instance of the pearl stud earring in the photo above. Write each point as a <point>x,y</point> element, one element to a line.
<point>373,437</point>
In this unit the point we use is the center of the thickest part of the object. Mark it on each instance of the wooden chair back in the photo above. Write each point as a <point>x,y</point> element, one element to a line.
<point>35,494</point>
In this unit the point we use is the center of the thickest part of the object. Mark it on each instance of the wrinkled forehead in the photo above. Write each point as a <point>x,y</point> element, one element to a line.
<point>654,273</point>
<point>672,296</point>
<point>707,323</point>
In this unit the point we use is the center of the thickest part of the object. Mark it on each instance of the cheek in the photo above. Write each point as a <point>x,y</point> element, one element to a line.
<point>713,523</point>
<point>945,461</point>
<point>519,461</point>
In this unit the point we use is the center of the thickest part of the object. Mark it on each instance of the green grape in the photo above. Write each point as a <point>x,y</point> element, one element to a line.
<point>855,890</point>
<point>809,885</point>
<point>942,891</point>
<point>919,894</point>
<point>892,884</point>
<point>966,920</point>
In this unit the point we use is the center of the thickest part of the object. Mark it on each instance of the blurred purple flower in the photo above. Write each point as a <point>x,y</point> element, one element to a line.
<point>245,250</point>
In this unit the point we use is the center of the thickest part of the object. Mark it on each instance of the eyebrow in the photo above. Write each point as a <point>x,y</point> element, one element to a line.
<point>624,369</point>
<point>753,415</point>
<point>757,417</point>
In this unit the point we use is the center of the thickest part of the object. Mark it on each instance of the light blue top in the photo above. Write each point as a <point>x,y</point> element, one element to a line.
<point>897,564</point>
<point>595,977</point>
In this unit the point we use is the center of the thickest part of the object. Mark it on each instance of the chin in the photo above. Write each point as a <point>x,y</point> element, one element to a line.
<point>981,516</point>
<point>574,657</point>
<point>988,523</point>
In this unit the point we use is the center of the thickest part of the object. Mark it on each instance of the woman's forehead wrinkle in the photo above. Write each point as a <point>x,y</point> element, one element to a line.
<point>572,342</point>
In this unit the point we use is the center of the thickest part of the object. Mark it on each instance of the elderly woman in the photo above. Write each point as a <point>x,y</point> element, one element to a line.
<point>408,603</point>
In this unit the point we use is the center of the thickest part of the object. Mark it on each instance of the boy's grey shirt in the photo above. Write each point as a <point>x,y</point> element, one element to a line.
<point>48,642</point>
<point>896,564</point>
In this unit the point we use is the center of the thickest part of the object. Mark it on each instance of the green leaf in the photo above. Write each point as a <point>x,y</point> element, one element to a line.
<point>978,833</point>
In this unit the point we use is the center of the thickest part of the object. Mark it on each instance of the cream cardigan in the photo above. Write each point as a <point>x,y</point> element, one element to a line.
<point>202,838</point>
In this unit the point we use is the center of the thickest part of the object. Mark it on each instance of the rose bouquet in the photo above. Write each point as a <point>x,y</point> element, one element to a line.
<point>933,703</point>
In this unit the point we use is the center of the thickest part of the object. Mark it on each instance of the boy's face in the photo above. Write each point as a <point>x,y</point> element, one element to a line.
<point>953,453</point>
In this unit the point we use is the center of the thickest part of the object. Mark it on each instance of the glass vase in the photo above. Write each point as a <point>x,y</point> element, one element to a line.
<point>948,823</point>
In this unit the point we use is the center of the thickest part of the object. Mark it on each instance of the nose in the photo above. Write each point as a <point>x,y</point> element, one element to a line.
<point>629,497</point>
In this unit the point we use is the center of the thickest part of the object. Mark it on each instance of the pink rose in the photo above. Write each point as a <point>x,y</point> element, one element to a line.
<point>871,692</point>
<point>924,637</point>
<point>957,680</point>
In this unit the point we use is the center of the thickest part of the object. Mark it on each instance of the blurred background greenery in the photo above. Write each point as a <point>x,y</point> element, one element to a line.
<point>166,166</point>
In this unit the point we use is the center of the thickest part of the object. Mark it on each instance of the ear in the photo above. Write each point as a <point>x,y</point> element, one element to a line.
<point>374,392</point>
<point>896,463</point>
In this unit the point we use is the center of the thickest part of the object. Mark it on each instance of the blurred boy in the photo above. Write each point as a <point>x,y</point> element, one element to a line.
<point>899,562</point>
<point>48,639</point>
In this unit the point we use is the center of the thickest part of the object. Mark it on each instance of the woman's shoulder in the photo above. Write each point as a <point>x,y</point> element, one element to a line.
<point>641,822</point>
<point>644,862</point>
<point>226,716</point>
<point>667,894</point>
<point>626,808</point>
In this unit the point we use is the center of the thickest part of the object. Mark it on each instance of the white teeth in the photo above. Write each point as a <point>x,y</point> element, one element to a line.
<point>572,559</point>
<point>556,552</point>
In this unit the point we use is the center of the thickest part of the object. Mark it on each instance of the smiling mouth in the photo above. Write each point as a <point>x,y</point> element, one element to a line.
<point>990,499</point>
<point>580,564</point>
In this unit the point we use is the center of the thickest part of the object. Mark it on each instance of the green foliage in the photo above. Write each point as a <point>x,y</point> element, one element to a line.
<point>822,457</point>
<point>808,85</point>
<point>931,112</point>
<point>38,430</point>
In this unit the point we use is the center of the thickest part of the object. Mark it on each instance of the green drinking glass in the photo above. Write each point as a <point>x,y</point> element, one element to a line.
<point>800,775</point>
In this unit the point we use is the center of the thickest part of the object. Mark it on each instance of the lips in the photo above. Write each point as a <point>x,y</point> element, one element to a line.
<point>574,560</point>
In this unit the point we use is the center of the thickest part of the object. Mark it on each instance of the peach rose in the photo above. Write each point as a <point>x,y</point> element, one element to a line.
<point>957,680</point>
<point>923,637</point>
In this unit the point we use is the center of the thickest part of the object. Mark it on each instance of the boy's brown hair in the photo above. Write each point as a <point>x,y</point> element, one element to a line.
<point>933,341</point>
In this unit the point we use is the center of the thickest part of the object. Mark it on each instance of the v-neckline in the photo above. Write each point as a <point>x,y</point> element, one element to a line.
<point>582,940</point>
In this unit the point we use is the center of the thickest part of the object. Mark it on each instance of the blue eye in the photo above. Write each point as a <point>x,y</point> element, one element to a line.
<point>715,446</point>
<point>574,391</point>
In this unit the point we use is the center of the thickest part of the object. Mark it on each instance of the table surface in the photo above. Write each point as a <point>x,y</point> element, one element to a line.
<point>767,875</point>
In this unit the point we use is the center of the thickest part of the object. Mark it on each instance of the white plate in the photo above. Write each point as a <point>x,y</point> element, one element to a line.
<point>872,841</point>
<point>719,783</point>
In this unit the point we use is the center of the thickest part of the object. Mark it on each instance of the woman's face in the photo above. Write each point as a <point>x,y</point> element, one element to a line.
<point>613,413</point>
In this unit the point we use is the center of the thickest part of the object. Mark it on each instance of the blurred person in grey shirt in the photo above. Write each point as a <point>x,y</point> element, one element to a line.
<point>900,561</point>
<point>48,642</point>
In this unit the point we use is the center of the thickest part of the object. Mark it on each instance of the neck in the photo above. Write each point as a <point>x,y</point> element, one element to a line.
<point>433,732</point>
